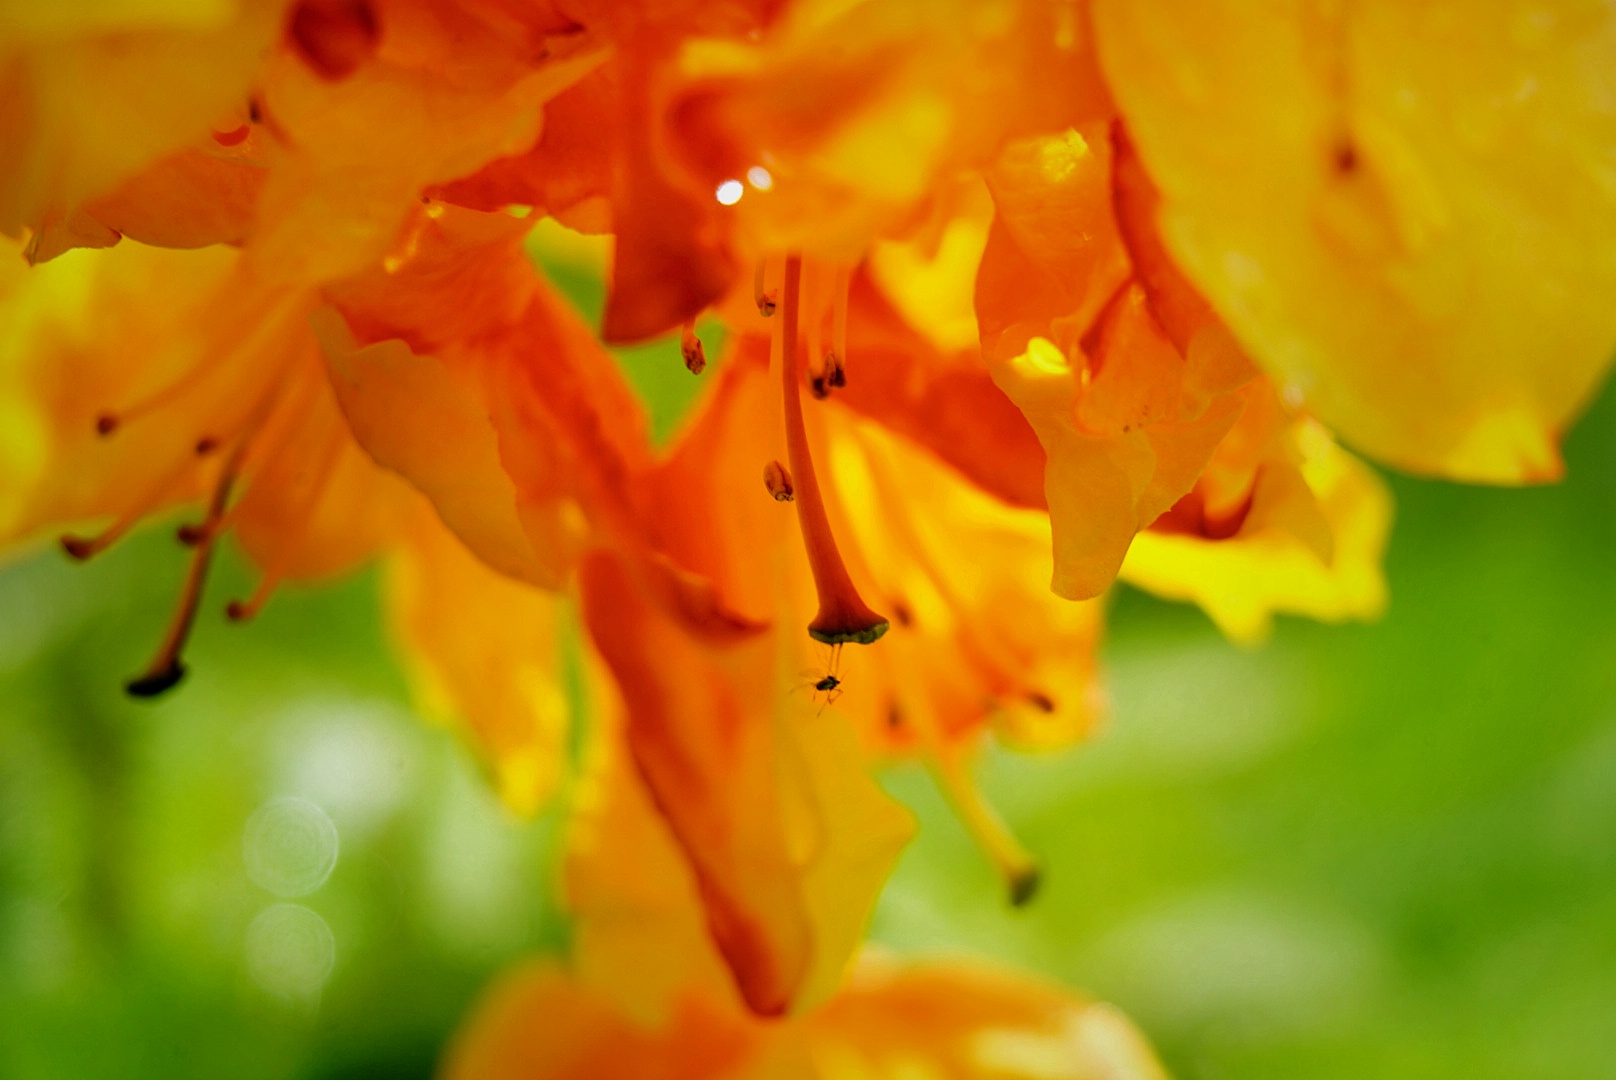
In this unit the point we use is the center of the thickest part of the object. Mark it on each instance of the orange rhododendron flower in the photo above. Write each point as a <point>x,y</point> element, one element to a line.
<point>1018,296</point>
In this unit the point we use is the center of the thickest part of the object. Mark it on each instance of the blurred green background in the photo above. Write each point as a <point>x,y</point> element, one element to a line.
<point>1383,851</point>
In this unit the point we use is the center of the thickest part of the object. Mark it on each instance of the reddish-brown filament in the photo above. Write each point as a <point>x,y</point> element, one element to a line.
<point>167,668</point>
<point>843,614</point>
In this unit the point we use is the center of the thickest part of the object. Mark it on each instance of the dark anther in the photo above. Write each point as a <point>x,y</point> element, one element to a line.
<point>158,682</point>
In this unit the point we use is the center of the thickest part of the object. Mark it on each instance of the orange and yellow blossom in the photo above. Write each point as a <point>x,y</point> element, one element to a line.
<point>1020,295</point>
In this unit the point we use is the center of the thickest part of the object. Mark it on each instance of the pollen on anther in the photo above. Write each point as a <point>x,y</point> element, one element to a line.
<point>729,192</point>
<point>78,547</point>
<point>690,348</point>
<point>777,478</point>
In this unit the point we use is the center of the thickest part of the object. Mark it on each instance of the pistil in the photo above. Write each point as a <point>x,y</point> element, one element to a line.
<point>843,615</point>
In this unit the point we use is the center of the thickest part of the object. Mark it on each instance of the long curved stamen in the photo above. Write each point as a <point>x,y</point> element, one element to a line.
<point>838,325</point>
<point>843,614</point>
<point>112,419</point>
<point>1018,868</point>
<point>85,547</point>
<point>166,668</point>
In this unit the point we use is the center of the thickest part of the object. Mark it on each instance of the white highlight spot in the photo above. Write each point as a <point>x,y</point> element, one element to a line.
<point>290,951</point>
<point>290,846</point>
<point>729,192</point>
<point>759,178</point>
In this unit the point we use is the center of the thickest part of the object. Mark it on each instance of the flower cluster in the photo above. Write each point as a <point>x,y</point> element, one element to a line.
<point>1016,297</point>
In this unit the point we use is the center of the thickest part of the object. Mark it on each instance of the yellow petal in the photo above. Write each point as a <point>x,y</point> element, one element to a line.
<point>94,93</point>
<point>485,651</point>
<point>1405,213</point>
<point>1273,564</point>
<point>974,1023</point>
<point>977,638</point>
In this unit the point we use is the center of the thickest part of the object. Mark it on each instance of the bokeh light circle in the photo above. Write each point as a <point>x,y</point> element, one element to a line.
<point>290,951</point>
<point>289,846</point>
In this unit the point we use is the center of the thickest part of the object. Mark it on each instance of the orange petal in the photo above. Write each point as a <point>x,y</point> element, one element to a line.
<point>672,257</point>
<point>319,506</point>
<point>788,839</point>
<point>536,1024</point>
<point>639,931</point>
<point>567,173</point>
<point>956,1020</point>
<point>444,93</point>
<point>189,199</point>
<point>1053,250</point>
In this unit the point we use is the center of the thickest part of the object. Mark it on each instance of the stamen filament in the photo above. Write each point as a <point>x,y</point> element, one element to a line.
<point>1018,868</point>
<point>838,323</point>
<point>843,615</point>
<point>85,547</point>
<point>197,374</point>
<point>166,668</point>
